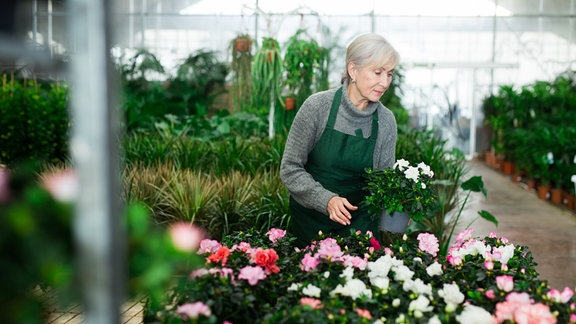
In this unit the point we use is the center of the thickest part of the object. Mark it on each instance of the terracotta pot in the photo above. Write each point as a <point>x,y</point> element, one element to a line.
<point>556,196</point>
<point>290,102</point>
<point>517,176</point>
<point>508,167</point>
<point>242,45</point>
<point>490,158</point>
<point>543,192</point>
<point>568,200</point>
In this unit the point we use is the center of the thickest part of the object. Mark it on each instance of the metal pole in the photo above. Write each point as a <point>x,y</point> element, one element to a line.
<point>94,151</point>
<point>49,40</point>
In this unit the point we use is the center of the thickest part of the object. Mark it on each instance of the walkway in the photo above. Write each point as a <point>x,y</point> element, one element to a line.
<point>549,231</point>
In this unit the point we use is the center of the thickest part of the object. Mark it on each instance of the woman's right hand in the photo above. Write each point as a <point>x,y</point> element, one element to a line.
<point>339,210</point>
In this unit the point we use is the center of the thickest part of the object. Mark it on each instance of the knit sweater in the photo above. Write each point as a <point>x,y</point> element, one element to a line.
<point>306,130</point>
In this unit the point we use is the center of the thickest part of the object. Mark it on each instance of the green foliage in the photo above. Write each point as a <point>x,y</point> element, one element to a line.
<point>266,76</point>
<point>396,189</point>
<point>35,123</point>
<point>35,243</point>
<point>149,94</point>
<point>241,67</point>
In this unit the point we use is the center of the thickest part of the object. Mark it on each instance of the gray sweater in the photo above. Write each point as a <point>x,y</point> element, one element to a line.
<point>308,126</point>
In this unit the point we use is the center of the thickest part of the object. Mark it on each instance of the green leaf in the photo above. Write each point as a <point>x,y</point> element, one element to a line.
<point>474,184</point>
<point>489,217</point>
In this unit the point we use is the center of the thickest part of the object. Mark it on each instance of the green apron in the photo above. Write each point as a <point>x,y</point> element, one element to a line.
<point>338,162</point>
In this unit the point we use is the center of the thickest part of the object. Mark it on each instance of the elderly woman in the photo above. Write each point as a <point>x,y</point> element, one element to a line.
<point>334,137</point>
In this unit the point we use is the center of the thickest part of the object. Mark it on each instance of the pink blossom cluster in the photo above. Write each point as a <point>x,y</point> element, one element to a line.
<point>519,308</point>
<point>467,245</point>
<point>262,262</point>
<point>428,243</point>
<point>328,250</point>
<point>193,310</point>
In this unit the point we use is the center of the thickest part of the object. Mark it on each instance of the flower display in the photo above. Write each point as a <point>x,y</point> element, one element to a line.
<point>402,188</point>
<point>347,279</point>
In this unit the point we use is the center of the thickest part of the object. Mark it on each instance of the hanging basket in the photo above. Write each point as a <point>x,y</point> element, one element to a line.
<point>242,45</point>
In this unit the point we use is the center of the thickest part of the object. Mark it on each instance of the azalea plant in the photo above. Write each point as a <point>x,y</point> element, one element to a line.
<point>356,279</point>
<point>402,188</point>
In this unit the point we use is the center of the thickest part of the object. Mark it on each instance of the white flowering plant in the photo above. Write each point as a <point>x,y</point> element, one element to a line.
<point>402,188</point>
<point>354,279</point>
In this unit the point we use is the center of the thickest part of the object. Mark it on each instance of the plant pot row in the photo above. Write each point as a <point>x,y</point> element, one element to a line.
<point>545,192</point>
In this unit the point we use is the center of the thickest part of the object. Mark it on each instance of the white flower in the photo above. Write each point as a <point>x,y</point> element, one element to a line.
<point>434,320</point>
<point>327,274</point>
<point>435,269</point>
<point>348,273</point>
<point>354,289</point>
<point>451,295</point>
<point>401,164</point>
<point>550,158</point>
<point>402,273</point>
<point>294,287</point>
<point>380,282</point>
<point>426,169</point>
<point>312,291</point>
<point>396,302</point>
<point>507,252</point>
<point>380,267</point>
<point>412,173</point>
<point>423,185</point>
<point>417,286</point>
<point>420,305</point>
<point>573,179</point>
<point>475,315</point>
<point>417,259</point>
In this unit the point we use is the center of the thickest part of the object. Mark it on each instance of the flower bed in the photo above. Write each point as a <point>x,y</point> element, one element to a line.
<point>354,279</point>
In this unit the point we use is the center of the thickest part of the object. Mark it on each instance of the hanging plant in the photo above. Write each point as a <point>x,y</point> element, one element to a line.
<point>241,66</point>
<point>266,74</point>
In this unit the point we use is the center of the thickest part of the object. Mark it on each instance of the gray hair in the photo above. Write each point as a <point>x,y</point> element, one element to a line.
<point>367,50</point>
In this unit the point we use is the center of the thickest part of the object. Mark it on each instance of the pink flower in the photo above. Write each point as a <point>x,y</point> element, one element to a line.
<point>267,259</point>
<point>309,262</point>
<point>490,294</point>
<point>355,261</point>
<point>242,246</point>
<point>561,297</point>
<point>375,244</point>
<point>208,246</point>
<point>489,265</point>
<point>363,313</point>
<point>505,283</point>
<point>492,235</point>
<point>428,243</point>
<point>572,318</point>
<point>221,256</point>
<point>185,236</point>
<point>193,310</point>
<point>62,185</point>
<point>275,233</point>
<point>504,267</point>
<point>464,236</point>
<point>312,302</point>
<point>537,313</point>
<point>252,274</point>
<point>329,249</point>
<point>454,259</point>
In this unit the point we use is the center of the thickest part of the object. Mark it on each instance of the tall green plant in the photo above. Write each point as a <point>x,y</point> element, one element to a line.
<point>241,66</point>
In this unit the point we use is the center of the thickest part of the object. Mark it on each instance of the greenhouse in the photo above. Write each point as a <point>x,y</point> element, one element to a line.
<point>264,161</point>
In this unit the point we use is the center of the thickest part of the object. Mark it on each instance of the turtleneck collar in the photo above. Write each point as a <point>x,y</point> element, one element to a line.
<point>351,109</point>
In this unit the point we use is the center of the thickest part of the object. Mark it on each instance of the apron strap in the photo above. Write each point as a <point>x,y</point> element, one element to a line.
<point>334,109</point>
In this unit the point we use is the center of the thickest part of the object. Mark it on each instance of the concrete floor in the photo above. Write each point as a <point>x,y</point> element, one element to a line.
<point>548,230</point>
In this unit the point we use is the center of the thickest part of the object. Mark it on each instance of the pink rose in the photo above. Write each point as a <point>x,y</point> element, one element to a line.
<point>193,310</point>
<point>208,246</point>
<point>275,233</point>
<point>505,283</point>
<point>428,243</point>
<point>561,297</point>
<point>309,263</point>
<point>312,302</point>
<point>329,249</point>
<point>252,274</point>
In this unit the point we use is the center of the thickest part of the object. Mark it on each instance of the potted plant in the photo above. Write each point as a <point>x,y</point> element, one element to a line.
<point>400,193</point>
<point>241,66</point>
<point>302,60</point>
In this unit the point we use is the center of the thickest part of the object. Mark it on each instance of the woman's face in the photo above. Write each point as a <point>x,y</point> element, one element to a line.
<point>370,83</point>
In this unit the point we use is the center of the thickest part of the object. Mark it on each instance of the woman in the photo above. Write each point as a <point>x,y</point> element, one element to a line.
<point>334,137</point>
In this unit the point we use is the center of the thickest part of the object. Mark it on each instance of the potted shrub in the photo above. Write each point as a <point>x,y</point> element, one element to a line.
<point>399,194</point>
<point>302,60</point>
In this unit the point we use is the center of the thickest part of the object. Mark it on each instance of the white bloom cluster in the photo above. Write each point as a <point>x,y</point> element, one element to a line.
<point>451,295</point>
